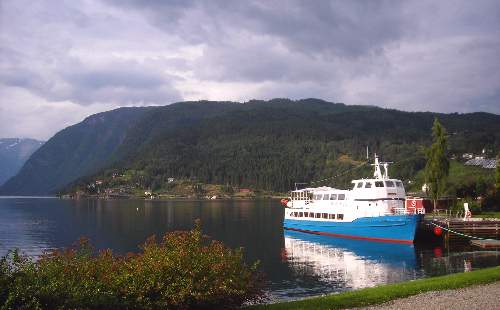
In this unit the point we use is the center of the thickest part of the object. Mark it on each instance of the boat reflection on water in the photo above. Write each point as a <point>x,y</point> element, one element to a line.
<point>346,264</point>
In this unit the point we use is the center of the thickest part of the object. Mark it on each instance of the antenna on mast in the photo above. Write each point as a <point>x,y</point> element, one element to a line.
<point>377,174</point>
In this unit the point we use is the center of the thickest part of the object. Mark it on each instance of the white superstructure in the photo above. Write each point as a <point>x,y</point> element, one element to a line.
<point>377,196</point>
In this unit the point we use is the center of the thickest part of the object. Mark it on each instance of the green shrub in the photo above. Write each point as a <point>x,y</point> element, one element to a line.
<point>184,270</point>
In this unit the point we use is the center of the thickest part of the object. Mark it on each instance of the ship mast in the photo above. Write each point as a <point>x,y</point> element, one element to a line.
<point>377,174</point>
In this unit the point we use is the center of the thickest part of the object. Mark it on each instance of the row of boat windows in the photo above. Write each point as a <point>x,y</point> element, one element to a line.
<point>301,195</point>
<point>329,197</point>
<point>327,216</point>
<point>379,184</point>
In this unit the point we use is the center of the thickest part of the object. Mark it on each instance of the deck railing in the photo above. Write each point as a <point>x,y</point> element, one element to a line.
<point>404,211</point>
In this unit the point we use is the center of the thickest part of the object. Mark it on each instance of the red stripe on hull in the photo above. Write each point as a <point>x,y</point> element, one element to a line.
<point>351,237</point>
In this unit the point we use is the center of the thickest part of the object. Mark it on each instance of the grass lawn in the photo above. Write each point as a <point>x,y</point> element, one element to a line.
<point>384,293</point>
<point>495,215</point>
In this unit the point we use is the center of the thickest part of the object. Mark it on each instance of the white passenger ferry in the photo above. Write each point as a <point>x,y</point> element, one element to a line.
<point>374,209</point>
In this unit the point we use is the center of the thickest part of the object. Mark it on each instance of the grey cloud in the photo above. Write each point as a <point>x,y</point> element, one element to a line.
<point>123,95</point>
<point>39,57</point>
<point>411,55</point>
<point>124,83</point>
<point>119,82</point>
<point>98,79</point>
<point>343,28</point>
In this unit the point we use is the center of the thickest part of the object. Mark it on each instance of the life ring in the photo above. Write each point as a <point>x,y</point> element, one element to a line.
<point>284,202</point>
<point>413,203</point>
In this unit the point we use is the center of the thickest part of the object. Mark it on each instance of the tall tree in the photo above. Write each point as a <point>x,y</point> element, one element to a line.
<point>438,165</point>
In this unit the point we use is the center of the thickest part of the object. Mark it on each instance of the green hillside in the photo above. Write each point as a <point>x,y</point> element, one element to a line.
<point>265,145</point>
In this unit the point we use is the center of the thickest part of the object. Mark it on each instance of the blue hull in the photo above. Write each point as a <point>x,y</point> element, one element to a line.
<point>391,228</point>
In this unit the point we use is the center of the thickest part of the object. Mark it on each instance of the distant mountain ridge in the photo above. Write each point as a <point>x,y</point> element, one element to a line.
<point>73,152</point>
<point>14,152</point>
<point>260,144</point>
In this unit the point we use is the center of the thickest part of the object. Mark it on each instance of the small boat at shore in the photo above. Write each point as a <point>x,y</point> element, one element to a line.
<point>374,209</point>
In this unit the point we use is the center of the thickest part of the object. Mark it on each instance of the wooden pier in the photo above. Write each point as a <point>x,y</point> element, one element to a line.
<point>486,244</point>
<point>456,228</point>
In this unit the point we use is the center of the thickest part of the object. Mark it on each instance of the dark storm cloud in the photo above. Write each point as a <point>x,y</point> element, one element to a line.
<point>345,28</point>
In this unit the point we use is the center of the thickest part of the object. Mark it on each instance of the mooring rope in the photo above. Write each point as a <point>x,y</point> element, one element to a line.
<point>458,233</point>
<point>340,174</point>
<point>352,169</point>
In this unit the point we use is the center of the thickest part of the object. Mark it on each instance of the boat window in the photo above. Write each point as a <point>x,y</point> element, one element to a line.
<point>399,184</point>
<point>368,184</point>
<point>333,197</point>
<point>340,216</point>
<point>341,196</point>
<point>360,184</point>
<point>379,184</point>
<point>318,215</point>
<point>325,215</point>
<point>326,197</point>
<point>301,214</point>
<point>311,214</point>
<point>318,197</point>
<point>331,216</point>
<point>389,183</point>
<point>306,214</point>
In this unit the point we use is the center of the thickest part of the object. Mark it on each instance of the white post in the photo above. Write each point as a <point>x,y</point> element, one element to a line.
<point>467,213</point>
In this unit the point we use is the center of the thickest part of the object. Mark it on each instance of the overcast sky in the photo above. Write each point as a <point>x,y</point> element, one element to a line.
<point>61,61</point>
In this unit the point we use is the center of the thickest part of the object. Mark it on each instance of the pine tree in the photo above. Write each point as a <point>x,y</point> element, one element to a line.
<point>438,165</point>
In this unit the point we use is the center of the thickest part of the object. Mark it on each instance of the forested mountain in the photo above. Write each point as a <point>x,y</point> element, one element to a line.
<point>13,154</point>
<point>258,144</point>
<point>76,151</point>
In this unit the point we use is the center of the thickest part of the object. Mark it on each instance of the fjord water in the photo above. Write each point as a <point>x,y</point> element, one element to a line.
<point>295,264</point>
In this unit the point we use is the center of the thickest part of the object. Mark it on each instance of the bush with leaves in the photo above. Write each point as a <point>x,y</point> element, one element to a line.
<point>184,270</point>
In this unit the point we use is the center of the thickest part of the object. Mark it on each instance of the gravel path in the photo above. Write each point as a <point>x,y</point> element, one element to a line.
<point>484,297</point>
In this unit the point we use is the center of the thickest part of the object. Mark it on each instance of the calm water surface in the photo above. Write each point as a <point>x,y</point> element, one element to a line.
<point>296,265</point>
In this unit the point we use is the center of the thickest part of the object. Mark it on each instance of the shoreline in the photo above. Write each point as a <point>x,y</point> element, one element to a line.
<point>144,199</point>
<point>378,295</point>
<point>166,199</point>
